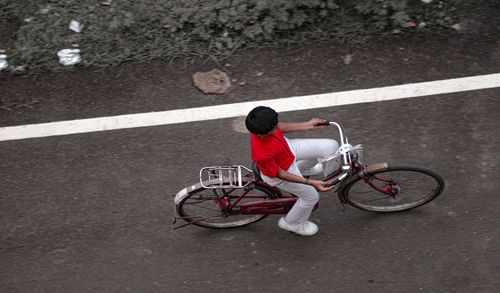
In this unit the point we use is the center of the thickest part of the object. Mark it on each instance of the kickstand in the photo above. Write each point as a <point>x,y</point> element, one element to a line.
<point>199,218</point>
<point>191,222</point>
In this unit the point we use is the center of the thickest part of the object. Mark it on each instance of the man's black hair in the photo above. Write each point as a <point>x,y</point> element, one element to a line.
<point>261,120</point>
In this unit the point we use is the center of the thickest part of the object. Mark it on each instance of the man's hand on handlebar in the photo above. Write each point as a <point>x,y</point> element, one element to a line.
<point>315,123</point>
<point>321,186</point>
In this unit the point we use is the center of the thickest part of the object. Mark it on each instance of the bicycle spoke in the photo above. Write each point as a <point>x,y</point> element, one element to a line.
<point>207,197</point>
<point>375,199</point>
<point>200,200</point>
<point>207,208</point>
<point>201,218</point>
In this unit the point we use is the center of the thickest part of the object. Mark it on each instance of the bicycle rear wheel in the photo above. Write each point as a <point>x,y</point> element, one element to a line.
<point>210,207</point>
<point>395,188</point>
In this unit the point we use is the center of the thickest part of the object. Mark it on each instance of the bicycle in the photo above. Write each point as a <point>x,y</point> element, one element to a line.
<point>235,196</point>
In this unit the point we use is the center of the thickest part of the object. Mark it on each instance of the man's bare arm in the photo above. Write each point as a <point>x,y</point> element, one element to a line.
<point>290,177</point>
<point>314,123</point>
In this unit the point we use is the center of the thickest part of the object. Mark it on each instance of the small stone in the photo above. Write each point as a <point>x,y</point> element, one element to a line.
<point>457,27</point>
<point>3,51</point>
<point>75,45</point>
<point>58,261</point>
<point>411,24</point>
<point>347,59</point>
<point>214,81</point>
<point>234,80</point>
<point>45,10</point>
<point>422,25</point>
<point>242,83</point>
<point>259,73</point>
<point>106,2</point>
<point>146,252</point>
<point>396,31</point>
<point>228,65</point>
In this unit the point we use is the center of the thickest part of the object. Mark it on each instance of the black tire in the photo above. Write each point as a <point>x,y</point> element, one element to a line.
<point>411,185</point>
<point>200,207</point>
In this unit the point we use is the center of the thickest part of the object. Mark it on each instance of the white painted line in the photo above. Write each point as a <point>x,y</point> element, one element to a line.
<point>241,109</point>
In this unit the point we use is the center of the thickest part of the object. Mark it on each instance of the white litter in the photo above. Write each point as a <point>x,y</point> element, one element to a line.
<point>457,27</point>
<point>68,57</point>
<point>3,62</point>
<point>18,69</point>
<point>347,59</point>
<point>45,10</point>
<point>76,26</point>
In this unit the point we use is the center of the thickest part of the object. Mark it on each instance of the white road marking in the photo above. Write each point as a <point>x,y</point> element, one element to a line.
<point>241,109</point>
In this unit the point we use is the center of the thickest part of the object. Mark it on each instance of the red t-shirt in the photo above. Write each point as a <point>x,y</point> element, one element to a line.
<point>271,152</point>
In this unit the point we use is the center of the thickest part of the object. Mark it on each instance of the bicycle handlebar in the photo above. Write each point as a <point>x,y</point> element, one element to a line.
<point>326,123</point>
<point>344,149</point>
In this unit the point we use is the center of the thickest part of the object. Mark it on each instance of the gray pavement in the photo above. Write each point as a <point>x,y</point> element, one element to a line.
<point>93,212</point>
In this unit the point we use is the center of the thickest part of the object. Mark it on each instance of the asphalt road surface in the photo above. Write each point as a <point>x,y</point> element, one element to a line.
<point>93,212</point>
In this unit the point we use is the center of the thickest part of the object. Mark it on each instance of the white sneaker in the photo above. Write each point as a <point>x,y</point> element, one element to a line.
<point>314,170</point>
<point>306,228</point>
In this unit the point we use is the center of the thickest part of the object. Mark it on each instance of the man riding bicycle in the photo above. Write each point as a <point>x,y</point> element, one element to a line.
<point>284,162</point>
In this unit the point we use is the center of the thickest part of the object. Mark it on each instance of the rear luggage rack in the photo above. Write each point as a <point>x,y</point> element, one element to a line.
<point>235,176</point>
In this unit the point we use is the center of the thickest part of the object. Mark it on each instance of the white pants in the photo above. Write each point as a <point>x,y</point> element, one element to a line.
<point>307,152</point>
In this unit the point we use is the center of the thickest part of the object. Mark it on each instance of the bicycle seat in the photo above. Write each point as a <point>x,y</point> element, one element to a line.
<point>256,171</point>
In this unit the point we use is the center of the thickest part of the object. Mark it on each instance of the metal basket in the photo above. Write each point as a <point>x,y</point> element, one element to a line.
<point>357,153</point>
<point>333,163</point>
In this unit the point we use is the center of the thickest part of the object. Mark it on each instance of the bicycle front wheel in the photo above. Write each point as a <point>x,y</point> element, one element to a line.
<point>213,208</point>
<point>395,188</point>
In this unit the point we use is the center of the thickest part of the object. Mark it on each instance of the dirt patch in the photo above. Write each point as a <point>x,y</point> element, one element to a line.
<point>214,81</point>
